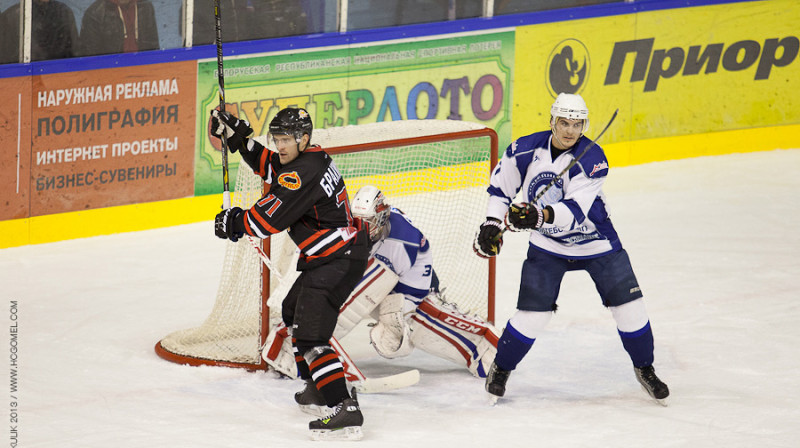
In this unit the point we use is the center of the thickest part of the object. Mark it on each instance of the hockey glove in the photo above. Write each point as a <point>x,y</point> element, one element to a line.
<point>223,224</point>
<point>237,131</point>
<point>524,217</point>
<point>489,239</point>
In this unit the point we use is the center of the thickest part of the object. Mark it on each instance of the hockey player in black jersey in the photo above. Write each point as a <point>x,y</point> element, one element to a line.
<point>307,196</point>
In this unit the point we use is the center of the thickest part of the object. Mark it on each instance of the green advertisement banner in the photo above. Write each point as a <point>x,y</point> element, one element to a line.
<point>464,77</point>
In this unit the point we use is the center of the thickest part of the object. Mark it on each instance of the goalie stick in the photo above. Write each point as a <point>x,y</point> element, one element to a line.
<point>366,385</point>
<point>564,171</point>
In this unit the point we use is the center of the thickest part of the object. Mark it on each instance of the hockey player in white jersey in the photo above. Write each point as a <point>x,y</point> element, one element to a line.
<point>400,290</point>
<point>569,230</point>
<point>414,313</point>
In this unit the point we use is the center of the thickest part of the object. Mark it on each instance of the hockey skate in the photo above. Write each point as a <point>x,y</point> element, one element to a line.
<point>496,382</point>
<point>651,384</point>
<point>312,402</point>
<point>344,424</point>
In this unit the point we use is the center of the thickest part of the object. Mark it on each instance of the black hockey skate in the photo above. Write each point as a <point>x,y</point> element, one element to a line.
<point>344,424</point>
<point>496,382</point>
<point>651,384</point>
<point>312,402</point>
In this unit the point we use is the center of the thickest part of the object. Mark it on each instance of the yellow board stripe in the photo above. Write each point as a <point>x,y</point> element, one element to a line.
<point>105,221</point>
<point>699,145</point>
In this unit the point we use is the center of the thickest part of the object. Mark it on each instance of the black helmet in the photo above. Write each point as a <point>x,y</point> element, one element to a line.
<point>292,121</point>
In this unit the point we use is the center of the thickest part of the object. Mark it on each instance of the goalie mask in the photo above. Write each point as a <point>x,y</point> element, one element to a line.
<point>292,121</point>
<point>370,205</point>
<point>571,107</point>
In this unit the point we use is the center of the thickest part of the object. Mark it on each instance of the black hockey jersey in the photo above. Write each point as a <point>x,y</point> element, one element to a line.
<point>308,197</point>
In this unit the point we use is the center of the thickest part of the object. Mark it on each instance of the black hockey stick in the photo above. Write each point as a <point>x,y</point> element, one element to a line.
<point>564,171</point>
<point>226,193</point>
<point>226,190</point>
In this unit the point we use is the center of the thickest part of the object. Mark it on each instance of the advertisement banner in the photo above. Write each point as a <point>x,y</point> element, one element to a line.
<point>15,148</point>
<point>465,77</point>
<point>111,137</point>
<point>689,71</point>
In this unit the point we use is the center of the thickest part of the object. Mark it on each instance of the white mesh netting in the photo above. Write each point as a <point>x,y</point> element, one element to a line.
<point>440,185</point>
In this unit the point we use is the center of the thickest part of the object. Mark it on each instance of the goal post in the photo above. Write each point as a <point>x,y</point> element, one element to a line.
<point>435,171</point>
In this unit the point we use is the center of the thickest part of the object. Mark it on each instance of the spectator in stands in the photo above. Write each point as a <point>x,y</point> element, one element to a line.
<point>54,34</point>
<point>118,26</point>
<point>6,44</point>
<point>248,20</point>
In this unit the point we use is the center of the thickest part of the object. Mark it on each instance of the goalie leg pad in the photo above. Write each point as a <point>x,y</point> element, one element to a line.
<point>378,281</point>
<point>391,336</point>
<point>441,330</point>
<point>278,352</point>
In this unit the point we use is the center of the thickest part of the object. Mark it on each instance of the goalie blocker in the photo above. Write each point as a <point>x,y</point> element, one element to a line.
<point>436,327</point>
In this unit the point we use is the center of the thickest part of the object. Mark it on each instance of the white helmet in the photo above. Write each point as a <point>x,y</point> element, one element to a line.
<point>572,107</point>
<point>370,205</point>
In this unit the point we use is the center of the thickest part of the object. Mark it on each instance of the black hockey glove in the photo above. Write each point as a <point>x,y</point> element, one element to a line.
<point>489,239</point>
<point>237,131</point>
<point>223,224</point>
<point>524,217</point>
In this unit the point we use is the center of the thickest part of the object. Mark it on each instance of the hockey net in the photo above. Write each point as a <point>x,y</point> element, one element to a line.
<point>435,171</point>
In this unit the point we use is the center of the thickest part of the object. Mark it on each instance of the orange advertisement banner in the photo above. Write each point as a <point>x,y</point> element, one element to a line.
<point>15,147</point>
<point>111,137</point>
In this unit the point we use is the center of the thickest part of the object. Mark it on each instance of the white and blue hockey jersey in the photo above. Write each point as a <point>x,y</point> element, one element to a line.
<point>581,226</point>
<point>407,252</point>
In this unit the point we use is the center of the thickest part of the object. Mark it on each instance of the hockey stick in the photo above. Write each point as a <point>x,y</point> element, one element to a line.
<point>372,385</point>
<point>564,171</point>
<point>226,191</point>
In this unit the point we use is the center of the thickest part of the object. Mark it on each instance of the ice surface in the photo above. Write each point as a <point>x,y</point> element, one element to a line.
<point>714,244</point>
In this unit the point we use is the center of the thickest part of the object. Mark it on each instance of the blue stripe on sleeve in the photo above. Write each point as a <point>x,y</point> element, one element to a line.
<point>575,209</point>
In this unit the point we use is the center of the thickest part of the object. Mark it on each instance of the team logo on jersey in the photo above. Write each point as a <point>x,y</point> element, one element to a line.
<point>568,67</point>
<point>290,181</point>
<point>540,182</point>
<point>598,167</point>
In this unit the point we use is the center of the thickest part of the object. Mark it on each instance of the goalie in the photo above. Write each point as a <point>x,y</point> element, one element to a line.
<point>400,290</point>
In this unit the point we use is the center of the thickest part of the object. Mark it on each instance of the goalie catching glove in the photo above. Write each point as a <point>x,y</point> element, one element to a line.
<point>489,239</point>
<point>236,131</point>
<point>224,224</point>
<point>524,217</point>
<point>391,336</point>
